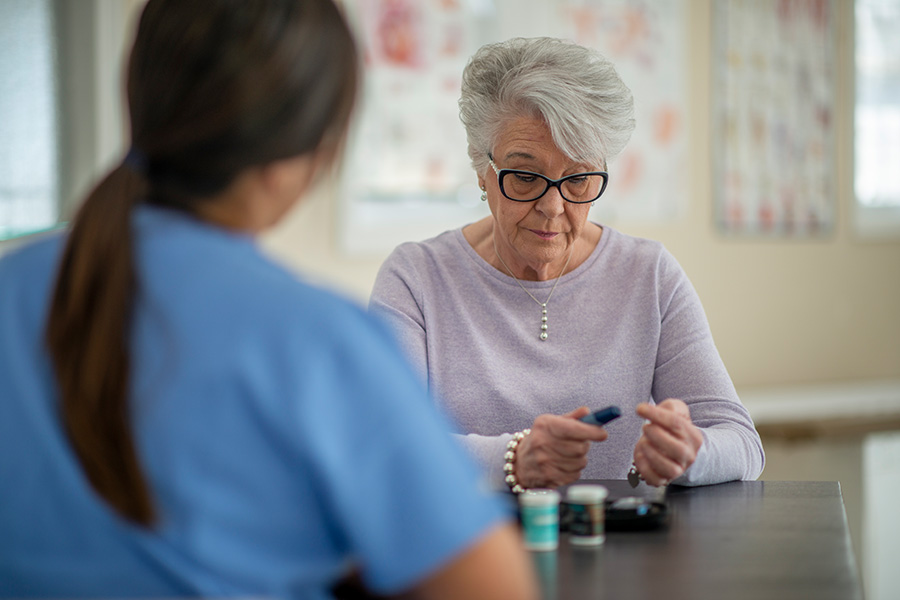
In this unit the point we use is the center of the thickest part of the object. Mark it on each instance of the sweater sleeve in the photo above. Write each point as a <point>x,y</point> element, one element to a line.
<point>488,451</point>
<point>397,300</point>
<point>688,367</point>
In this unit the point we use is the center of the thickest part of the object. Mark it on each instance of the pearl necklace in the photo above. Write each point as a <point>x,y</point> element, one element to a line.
<point>544,326</point>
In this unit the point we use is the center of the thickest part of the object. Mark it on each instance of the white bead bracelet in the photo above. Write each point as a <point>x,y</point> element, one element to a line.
<point>509,466</point>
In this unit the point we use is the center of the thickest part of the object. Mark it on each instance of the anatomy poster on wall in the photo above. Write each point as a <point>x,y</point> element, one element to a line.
<point>773,127</point>
<point>408,174</point>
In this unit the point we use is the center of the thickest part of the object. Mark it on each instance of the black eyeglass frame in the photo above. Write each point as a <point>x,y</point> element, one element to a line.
<point>557,183</point>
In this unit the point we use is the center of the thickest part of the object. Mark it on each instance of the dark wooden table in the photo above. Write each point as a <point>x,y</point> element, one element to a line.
<point>752,539</point>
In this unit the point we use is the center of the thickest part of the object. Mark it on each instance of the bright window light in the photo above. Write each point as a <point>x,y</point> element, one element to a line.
<point>877,117</point>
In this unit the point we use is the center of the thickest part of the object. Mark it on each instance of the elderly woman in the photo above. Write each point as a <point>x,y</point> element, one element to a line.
<point>521,321</point>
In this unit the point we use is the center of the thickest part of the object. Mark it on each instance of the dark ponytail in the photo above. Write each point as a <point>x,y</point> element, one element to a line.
<point>87,334</point>
<point>214,87</point>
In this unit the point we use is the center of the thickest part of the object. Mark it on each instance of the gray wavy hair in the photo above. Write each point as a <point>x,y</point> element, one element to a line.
<point>575,90</point>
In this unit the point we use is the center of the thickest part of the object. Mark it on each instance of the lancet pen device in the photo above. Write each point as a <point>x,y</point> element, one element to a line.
<point>602,416</point>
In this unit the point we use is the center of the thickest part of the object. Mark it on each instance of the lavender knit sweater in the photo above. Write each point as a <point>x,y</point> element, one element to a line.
<point>625,327</point>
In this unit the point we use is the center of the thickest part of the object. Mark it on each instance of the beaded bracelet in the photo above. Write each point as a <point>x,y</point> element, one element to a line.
<point>509,466</point>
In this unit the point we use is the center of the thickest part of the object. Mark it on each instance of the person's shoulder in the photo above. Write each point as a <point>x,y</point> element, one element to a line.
<point>31,260</point>
<point>437,247</point>
<point>287,300</point>
<point>633,243</point>
<point>231,272</point>
<point>44,247</point>
<point>637,248</point>
<point>636,259</point>
<point>424,261</point>
<point>276,310</point>
<point>181,249</point>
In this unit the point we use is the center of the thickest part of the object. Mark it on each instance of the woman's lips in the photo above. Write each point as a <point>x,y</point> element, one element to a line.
<point>544,235</point>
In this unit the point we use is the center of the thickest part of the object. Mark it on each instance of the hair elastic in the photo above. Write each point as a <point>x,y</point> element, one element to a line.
<point>136,160</point>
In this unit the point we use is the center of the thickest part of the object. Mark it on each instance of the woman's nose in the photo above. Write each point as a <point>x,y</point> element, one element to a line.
<point>551,204</point>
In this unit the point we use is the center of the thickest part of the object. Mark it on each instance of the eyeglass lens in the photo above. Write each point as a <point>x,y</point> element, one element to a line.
<point>525,187</point>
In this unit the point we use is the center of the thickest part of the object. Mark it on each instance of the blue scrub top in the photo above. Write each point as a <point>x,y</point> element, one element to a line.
<point>283,437</point>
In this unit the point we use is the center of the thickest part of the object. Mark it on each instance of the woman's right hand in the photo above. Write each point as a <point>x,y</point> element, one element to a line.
<point>555,451</point>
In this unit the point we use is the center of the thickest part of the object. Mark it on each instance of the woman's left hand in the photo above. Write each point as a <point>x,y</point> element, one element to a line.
<point>669,442</point>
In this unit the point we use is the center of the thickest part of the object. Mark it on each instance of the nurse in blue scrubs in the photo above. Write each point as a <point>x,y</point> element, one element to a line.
<point>179,415</point>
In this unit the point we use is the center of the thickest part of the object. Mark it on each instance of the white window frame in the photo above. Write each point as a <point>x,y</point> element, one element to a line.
<point>872,223</point>
<point>93,38</point>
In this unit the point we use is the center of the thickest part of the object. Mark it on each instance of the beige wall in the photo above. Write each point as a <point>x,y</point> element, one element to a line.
<point>782,311</point>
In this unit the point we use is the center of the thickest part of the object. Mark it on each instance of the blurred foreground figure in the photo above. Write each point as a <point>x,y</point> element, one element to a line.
<point>178,415</point>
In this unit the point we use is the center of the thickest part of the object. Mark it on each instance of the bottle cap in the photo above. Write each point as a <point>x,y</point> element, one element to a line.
<point>586,494</point>
<point>539,497</point>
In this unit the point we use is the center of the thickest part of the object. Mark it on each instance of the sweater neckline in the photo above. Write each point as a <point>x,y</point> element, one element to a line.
<point>489,269</point>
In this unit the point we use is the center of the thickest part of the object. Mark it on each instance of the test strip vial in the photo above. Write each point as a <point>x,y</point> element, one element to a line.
<point>540,518</point>
<point>586,505</point>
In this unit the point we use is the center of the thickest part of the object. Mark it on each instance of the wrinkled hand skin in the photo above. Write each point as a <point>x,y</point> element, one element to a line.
<point>555,452</point>
<point>669,442</point>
